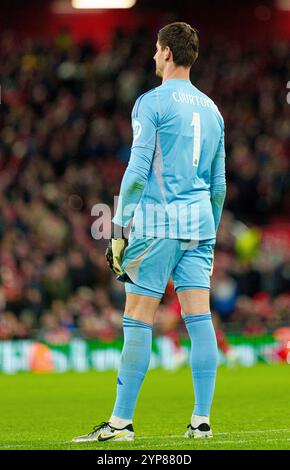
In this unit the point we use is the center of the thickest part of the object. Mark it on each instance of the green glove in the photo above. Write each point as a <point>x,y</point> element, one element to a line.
<point>114,254</point>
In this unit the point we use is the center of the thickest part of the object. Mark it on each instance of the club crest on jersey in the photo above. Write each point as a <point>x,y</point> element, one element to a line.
<point>137,129</point>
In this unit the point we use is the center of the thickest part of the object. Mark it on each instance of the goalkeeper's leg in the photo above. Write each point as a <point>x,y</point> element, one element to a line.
<point>203,357</point>
<point>137,324</point>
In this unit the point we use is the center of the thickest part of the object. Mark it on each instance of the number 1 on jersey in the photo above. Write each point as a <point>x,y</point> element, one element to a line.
<point>196,138</point>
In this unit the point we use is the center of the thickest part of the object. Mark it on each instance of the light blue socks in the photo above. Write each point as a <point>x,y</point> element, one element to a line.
<point>134,364</point>
<point>203,360</point>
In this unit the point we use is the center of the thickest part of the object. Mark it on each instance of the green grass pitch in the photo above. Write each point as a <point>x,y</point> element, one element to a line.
<point>250,411</point>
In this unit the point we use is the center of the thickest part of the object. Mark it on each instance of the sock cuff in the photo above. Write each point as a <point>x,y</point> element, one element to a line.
<point>191,318</point>
<point>131,322</point>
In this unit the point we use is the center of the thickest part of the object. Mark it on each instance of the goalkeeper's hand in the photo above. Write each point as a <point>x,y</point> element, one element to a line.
<point>114,254</point>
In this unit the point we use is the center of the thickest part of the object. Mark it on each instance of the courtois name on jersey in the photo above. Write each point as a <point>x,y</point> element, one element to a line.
<point>178,153</point>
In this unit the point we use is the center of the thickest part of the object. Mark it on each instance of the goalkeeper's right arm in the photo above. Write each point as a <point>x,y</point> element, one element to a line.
<point>218,182</point>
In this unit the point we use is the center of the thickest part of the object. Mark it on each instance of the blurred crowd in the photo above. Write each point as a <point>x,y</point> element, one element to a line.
<point>65,142</point>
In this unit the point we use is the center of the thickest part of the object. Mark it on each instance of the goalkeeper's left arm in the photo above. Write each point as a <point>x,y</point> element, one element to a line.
<point>144,123</point>
<point>131,190</point>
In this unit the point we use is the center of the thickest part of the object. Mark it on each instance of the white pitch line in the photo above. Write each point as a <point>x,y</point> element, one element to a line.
<point>213,441</point>
<point>12,446</point>
<point>253,432</point>
<point>180,436</point>
<point>170,436</point>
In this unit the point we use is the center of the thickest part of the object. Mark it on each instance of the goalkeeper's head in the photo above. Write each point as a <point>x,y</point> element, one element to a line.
<point>177,45</point>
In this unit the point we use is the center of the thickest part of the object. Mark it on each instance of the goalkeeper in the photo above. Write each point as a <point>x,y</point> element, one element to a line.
<point>173,189</point>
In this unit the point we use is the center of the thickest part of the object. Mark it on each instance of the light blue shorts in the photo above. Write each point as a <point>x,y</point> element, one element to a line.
<point>149,262</point>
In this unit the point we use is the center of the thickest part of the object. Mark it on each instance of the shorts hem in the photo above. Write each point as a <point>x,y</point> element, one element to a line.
<point>150,292</point>
<point>179,289</point>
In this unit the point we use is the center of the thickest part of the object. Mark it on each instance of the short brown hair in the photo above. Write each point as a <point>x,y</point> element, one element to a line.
<point>183,41</point>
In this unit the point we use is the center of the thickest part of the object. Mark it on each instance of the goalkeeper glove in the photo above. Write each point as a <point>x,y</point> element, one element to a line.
<point>114,254</point>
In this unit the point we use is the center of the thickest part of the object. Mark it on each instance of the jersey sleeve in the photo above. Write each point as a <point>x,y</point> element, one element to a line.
<point>145,121</point>
<point>218,181</point>
<point>144,125</point>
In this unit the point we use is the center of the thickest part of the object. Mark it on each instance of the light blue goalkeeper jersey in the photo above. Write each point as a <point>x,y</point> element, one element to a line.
<point>174,185</point>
